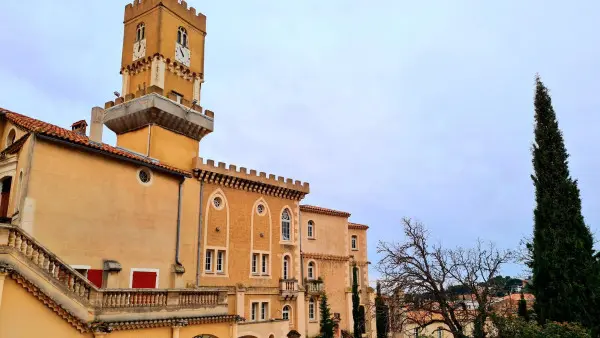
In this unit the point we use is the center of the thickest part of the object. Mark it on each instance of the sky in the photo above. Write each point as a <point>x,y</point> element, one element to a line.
<point>388,108</point>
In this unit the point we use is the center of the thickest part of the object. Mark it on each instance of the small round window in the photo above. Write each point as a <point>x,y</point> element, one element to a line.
<point>260,209</point>
<point>144,175</point>
<point>218,202</point>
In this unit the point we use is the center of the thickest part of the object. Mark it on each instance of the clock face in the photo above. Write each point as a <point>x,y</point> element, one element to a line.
<point>182,54</point>
<point>139,49</point>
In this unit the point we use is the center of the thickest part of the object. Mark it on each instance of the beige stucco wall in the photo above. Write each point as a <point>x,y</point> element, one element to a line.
<point>330,234</point>
<point>136,140</point>
<point>172,148</point>
<point>17,309</point>
<point>102,211</point>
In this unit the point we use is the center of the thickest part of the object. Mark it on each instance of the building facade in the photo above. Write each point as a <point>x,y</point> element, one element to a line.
<point>147,237</point>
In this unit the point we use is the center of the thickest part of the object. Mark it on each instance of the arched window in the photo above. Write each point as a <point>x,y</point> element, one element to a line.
<point>10,139</point>
<point>311,229</point>
<point>285,314</point>
<point>285,225</point>
<point>311,270</point>
<point>182,38</point>
<point>312,309</point>
<point>354,242</point>
<point>140,32</point>
<point>286,267</point>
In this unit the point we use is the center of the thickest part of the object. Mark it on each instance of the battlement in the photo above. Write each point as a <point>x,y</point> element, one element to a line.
<point>210,170</point>
<point>179,7</point>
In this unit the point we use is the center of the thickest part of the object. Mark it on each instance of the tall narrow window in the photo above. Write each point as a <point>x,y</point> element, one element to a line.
<point>286,267</point>
<point>311,309</point>
<point>311,270</point>
<point>220,260</point>
<point>439,332</point>
<point>264,307</point>
<point>254,312</point>
<point>311,229</point>
<point>140,32</point>
<point>265,264</point>
<point>285,314</point>
<point>416,331</point>
<point>285,225</point>
<point>254,263</point>
<point>354,242</point>
<point>182,37</point>
<point>208,262</point>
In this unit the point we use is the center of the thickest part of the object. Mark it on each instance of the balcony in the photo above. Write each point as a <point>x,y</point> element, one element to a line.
<point>29,261</point>
<point>313,287</point>
<point>288,289</point>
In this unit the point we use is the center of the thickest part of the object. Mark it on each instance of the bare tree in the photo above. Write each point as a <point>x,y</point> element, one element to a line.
<point>423,272</point>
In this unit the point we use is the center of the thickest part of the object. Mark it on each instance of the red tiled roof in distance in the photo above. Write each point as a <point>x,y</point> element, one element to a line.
<point>324,211</point>
<point>47,129</point>
<point>357,226</point>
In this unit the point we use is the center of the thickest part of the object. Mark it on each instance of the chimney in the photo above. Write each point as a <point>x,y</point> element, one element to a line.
<point>97,121</point>
<point>79,127</point>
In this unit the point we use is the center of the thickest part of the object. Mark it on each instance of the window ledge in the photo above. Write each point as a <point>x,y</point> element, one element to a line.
<point>313,321</point>
<point>311,238</point>
<point>354,249</point>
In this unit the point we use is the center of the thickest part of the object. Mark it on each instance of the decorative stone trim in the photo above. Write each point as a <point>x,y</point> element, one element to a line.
<point>324,257</point>
<point>145,64</point>
<point>148,324</point>
<point>15,147</point>
<point>356,226</point>
<point>323,211</point>
<point>242,180</point>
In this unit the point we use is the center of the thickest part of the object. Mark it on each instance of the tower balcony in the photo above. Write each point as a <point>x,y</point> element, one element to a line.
<point>288,289</point>
<point>314,287</point>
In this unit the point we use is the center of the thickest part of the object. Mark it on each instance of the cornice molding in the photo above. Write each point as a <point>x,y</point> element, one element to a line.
<point>325,257</point>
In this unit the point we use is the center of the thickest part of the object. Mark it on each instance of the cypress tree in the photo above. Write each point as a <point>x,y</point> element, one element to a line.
<point>523,308</point>
<point>381,314</point>
<point>327,324</point>
<point>563,264</point>
<point>356,303</point>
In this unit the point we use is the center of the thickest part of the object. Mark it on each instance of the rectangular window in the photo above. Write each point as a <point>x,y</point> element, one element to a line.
<point>265,262</point>
<point>416,332</point>
<point>439,333</point>
<point>354,245</point>
<point>263,311</point>
<point>254,263</point>
<point>141,279</point>
<point>254,311</point>
<point>208,263</point>
<point>311,310</point>
<point>220,260</point>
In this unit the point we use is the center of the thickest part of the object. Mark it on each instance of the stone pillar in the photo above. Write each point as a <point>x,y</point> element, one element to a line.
<point>111,271</point>
<point>3,273</point>
<point>125,88</point>
<point>177,325</point>
<point>157,77</point>
<point>240,293</point>
<point>301,313</point>
<point>97,123</point>
<point>234,330</point>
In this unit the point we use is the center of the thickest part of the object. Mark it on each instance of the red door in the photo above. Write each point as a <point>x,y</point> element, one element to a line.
<point>144,280</point>
<point>95,276</point>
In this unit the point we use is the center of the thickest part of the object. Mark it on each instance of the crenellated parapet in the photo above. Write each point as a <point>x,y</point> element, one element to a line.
<point>145,64</point>
<point>180,8</point>
<point>249,180</point>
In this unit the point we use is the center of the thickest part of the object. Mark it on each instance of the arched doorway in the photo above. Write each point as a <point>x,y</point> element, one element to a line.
<point>6,183</point>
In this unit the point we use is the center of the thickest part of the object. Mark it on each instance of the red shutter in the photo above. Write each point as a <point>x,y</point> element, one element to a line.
<point>95,276</point>
<point>144,280</point>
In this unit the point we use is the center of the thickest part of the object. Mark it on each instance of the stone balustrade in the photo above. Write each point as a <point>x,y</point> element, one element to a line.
<point>313,287</point>
<point>59,273</point>
<point>288,289</point>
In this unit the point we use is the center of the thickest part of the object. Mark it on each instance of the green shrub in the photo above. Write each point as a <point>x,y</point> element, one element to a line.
<point>517,327</point>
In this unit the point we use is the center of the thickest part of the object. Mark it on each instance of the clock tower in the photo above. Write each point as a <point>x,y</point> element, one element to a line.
<point>158,112</point>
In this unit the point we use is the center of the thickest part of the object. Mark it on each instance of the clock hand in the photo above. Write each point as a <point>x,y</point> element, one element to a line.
<point>139,46</point>
<point>181,51</point>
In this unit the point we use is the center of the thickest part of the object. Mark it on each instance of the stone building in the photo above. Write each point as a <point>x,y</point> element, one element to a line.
<point>147,238</point>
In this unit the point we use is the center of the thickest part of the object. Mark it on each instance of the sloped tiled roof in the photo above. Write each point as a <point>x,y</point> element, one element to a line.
<point>324,211</point>
<point>47,129</point>
<point>357,226</point>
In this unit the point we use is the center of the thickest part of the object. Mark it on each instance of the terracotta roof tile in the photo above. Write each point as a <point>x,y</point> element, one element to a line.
<point>357,226</point>
<point>44,128</point>
<point>324,211</point>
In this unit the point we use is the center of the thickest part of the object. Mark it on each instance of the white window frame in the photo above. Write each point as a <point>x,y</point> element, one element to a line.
<point>255,259</point>
<point>264,264</point>
<point>288,312</point>
<point>310,231</point>
<point>285,266</point>
<point>354,242</point>
<point>311,270</point>
<point>254,311</point>
<point>286,224</point>
<point>208,260</point>
<point>143,270</point>
<point>82,267</point>
<point>220,261</point>
<point>416,332</point>
<point>439,332</point>
<point>140,32</point>
<point>182,36</point>
<point>312,309</point>
<point>264,310</point>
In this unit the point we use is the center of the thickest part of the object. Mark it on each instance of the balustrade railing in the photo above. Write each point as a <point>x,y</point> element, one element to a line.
<point>314,287</point>
<point>60,272</point>
<point>288,284</point>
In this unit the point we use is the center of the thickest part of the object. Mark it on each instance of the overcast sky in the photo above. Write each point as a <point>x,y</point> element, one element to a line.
<point>388,108</point>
